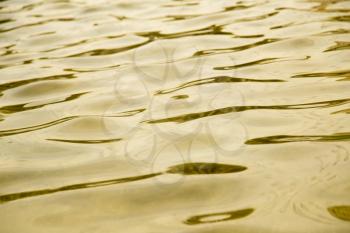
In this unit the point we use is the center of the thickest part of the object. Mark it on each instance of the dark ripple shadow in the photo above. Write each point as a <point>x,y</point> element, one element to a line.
<point>84,41</point>
<point>152,36</point>
<point>338,137</point>
<point>332,74</point>
<point>346,111</point>
<point>9,132</point>
<point>334,32</point>
<point>216,79</point>
<point>339,45</point>
<point>37,23</point>
<point>91,69</point>
<point>342,18</point>
<point>225,216</point>
<point>27,7</point>
<point>204,168</point>
<point>15,196</point>
<point>210,30</point>
<point>259,62</point>
<point>340,212</point>
<point>182,169</point>
<point>10,85</point>
<point>194,116</point>
<point>259,17</point>
<point>101,52</point>
<point>4,21</point>
<point>252,63</point>
<point>235,49</point>
<point>236,7</point>
<point>9,109</point>
<point>87,141</point>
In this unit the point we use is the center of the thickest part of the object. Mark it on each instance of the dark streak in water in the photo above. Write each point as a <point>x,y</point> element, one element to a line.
<point>281,26</point>
<point>9,132</point>
<point>92,69</point>
<point>210,30</point>
<point>220,111</point>
<point>10,85</point>
<point>96,141</point>
<point>3,21</point>
<point>340,45</point>
<point>333,74</point>
<point>334,32</point>
<point>260,17</point>
<point>225,216</point>
<point>183,169</point>
<point>23,107</point>
<point>217,79</point>
<point>235,49</point>
<point>15,196</point>
<point>101,52</point>
<point>152,36</point>
<point>204,168</point>
<point>178,97</point>
<point>252,63</point>
<point>258,62</point>
<point>37,23</point>
<point>302,138</point>
<point>81,42</point>
<point>342,18</point>
<point>340,212</point>
<point>25,7</point>
<point>226,9</point>
<point>347,111</point>
<point>181,5</point>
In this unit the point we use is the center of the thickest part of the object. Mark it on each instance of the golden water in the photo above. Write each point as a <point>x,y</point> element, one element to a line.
<point>149,116</point>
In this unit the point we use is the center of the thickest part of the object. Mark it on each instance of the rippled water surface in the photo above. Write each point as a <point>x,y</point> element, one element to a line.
<point>191,116</point>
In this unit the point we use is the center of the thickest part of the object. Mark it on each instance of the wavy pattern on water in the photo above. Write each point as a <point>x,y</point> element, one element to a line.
<point>102,52</point>
<point>65,63</point>
<point>220,111</point>
<point>302,138</point>
<point>340,212</point>
<point>9,132</point>
<point>219,217</point>
<point>183,169</point>
<point>33,105</point>
<point>16,196</point>
<point>36,24</point>
<point>15,84</point>
<point>236,7</point>
<point>340,45</point>
<point>204,168</point>
<point>87,141</point>
<point>236,48</point>
<point>332,74</point>
<point>212,80</point>
<point>258,62</point>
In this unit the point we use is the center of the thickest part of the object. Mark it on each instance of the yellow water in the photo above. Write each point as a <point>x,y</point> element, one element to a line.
<point>191,116</point>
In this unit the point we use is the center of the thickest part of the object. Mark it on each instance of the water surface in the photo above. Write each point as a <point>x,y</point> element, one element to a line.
<point>191,116</point>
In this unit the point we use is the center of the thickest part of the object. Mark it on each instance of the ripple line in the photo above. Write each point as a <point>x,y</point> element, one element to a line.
<point>300,138</point>
<point>9,109</point>
<point>88,141</point>
<point>183,169</point>
<point>225,216</point>
<point>235,49</point>
<point>193,116</point>
<point>5,133</point>
<point>216,79</point>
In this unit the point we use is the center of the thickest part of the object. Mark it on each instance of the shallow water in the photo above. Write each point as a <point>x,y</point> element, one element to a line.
<point>174,116</point>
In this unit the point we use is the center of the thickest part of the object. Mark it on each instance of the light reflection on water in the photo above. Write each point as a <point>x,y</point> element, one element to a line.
<point>179,115</point>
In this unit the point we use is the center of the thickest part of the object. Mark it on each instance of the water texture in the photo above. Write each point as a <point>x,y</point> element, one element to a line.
<point>191,116</point>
